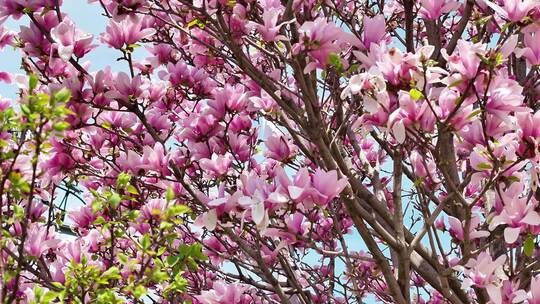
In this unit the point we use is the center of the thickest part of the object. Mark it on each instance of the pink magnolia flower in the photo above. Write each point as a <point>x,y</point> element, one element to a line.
<point>518,212</point>
<point>5,77</point>
<point>130,161</point>
<point>70,40</point>
<point>126,32</point>
<point>321,38</point>
<point>424,167</point>
<point>297,223</point>
<point>280,147</point>
<point>486,273</point>
<point>533,297</point>
<point>82,217</point>
<point>374,30</point>
<point>456,228</point>
<point>40,240</point>
<point>465,60</point>
<point>155,159</point>
<point>511,292</point>
<point>270,29</point>
<point>154,208</point>
<point>528,133</point>
<point>217,165</point>
<point>505,96</point>
<point>433,9</point>
<point>531,40</point>
<point>327,185</point>
<point>416,114</point>
<point>231,98</point>
<point>513,10</point>
<point>447,105</point>
<point>15,8</point>
<point>6,37</point>
<point>224,293</point>
<point>126,88</point>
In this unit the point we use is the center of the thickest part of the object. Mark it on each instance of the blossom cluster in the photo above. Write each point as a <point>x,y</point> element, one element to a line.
<point>270,151</point>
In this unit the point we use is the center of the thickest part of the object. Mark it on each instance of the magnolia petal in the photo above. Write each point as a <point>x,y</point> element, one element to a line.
<point>246,201</point>
<point>511,234</point>
<point>490,199</point>
<point>210,220</point>
<point>519,296</point>
<point>278,198</point>
<point>370,105</point>
<point>496,8</point>
<point>494,293</point>
<point>532,218</point>
<point>398,129</point>
<point>295,192</point>
<point>257,213</point>
<point>65,52</point>
<point>509,46</point>
<point>217,202</point>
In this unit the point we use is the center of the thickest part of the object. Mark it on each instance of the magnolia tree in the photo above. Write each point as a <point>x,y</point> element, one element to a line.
<point>271,151</point>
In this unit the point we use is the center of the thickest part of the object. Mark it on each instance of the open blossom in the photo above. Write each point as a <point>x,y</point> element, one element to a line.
<point>531,40</point>
<point>518,212</point>
<point>374,30</point>
<point>484,272</point>
<point>6,37</point>
<point>161,159</point>
<point>70,40</point>
<point>513,10</point>
<point>320,39</point>
<point>456,228</point>
<point>533,297</point>
<point>217,165</point>
<point>40,239</point>
<point>467,61</point>
<point>280,147</point>
<point>222,293</point>
<point>270,29</point>
<point>126,32</point>
<point>82,217</point>
<point>327,185</point>
<point>433,9</point>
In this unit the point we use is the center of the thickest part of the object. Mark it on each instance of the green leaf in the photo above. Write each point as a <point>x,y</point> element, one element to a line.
<point>32,82</point>
<point>25,109</point>
<point>38,292</point>
<point>528,246</point>
<point>49,297</point>
<point>122,180</point>
<point>100,221</point>
<point>112,273</point>
<point>499,59</point>
<point>169,196</point>
<point>415,94</point>
<point>139,291</point>
<point>62,96</point>
<point>115,199</point>
<point>145,242</point>
<point>176,210</point>
<point>61,126</point>
<point>123,258</point>
<point>484,166</point>
<point>334,60</point>
<point>131,189</point>
<point>159,276</point>
<point>172,260</point>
